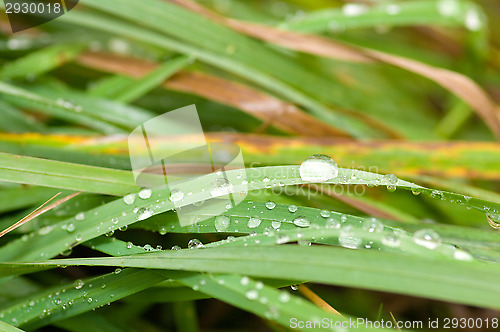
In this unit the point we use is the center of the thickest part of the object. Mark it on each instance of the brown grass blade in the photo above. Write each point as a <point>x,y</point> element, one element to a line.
<point>284,116</point>
<point>314,298</point>
<point>38,211</point>
<point>460,85</point>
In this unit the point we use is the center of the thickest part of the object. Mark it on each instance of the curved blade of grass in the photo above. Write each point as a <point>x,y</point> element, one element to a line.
<point>446,159</point>
<point>8,328</point>
<point>56,239</point>
<point>41,61</point>
<point>265,67</point>
<point>82,296</point>
<point>258,104</point>
<point>151,80</point>
<point>20,169</point>
<point>464,282</point>
<point>62,109</point>
<point>14,120</point>
<point>389,13</point>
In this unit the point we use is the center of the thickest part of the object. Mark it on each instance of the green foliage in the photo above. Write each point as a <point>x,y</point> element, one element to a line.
<point>72,89</point>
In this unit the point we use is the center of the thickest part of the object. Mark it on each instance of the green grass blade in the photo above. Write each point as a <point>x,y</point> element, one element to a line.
<point>153,79</point>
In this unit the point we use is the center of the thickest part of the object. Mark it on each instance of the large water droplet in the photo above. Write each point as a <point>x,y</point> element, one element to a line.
<point>254,222</point>
<point>284,297</point>
<point>70,228</point>
<point>222,223</point>
<point>325,213</point>
<point>391,240</point>
<point>144,213</point>
<point>292,208</point>
<point>462,255</point>
<point>276,224</point>
<point>318,168</point>
<point>473,20</point>
<point>493,220</point>
<point>391,179</point>
<point>392,9</point>
<point>301,222</point>
<point>194,243</point>
<point>244,281</point>
<point>220,187</point>
<point>270,205</point>
<point>354,9</point>
<point>448,7</point>
<point>129,199</point>
<point>176,195</point>
<point>348,239</point>
<point>145,193</point>
<point>427,238</point>
<point>252,294</point>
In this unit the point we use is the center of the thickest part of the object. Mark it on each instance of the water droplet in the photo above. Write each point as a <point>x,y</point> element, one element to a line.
<point>493,220</point>
<point>145,193</point>
<point>391,240</point>
<point>325,213</point>
<point>270,205</point>
<point>220,187</point>
<point>252,294</point>
<point>80,216</point>
<point>427,238</point>
<point>70,228</point>
<point>415,191</point>
<point>118,270</point>
<point>301,222</point>
<point>114,220</point>
<point>372,225</point>
<point>194,243</point>
<point>294,287</point>
<point>354,9</point>
<point>123,228</point>
<point>254,222</point>
<point>391,178</point>
<point>448,7</point>
<point>244,281</point>
<point>129,199</point>
<point>79,283</point>
<point>129,245</point>
<point>175,247</point>
<point>392,9</point>
<point>276,224</point>
<point>222,223</point>
<point>282,239</point>
<point>332,223</point>
<point>462,255</point>
<point>318,168</point>
<point>176,195</point>
<point>347,238</point>
<point>284,297</point>
<point>292,208</point>
<point>148,247</point>
<point>437,194</point>
<point>144,213</point>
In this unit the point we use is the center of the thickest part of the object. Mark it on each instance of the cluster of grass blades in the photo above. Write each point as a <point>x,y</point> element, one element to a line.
<point>84,248</point>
